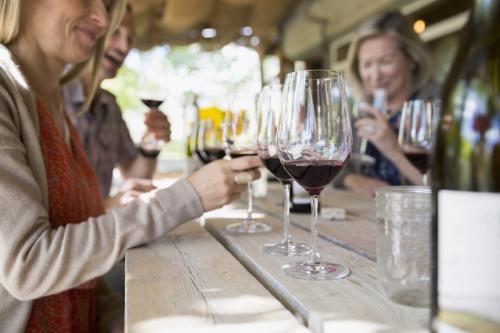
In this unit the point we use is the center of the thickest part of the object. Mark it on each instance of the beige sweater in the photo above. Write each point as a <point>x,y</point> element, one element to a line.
<point>36,260</point>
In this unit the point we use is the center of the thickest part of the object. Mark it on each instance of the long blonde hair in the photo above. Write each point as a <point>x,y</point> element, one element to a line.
<point>393,24</point>
<point>10,13</point>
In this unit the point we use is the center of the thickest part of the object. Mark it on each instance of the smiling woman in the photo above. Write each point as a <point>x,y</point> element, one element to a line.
<point>55,238</point>
<point>386,56</point>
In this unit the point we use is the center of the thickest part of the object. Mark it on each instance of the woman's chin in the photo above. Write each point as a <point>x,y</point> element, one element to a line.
<point>79,56</point>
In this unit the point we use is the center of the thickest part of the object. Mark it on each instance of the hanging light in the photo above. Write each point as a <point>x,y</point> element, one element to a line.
<point>209,33</point>
<point>246,31</point>
<point>419,26</point>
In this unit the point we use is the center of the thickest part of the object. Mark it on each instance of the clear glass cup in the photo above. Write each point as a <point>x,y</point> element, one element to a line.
<point>240,139</point>
<point>268,111</point>
<point>403,243</point>
<point>314,143</point>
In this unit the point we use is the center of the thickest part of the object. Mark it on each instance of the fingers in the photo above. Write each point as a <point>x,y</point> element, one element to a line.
<point>375,113</point>
<point>366,128</point>
<point>244,163</point>
<point>158,123</point>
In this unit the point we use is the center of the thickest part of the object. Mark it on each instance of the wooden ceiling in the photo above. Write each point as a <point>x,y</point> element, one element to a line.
<point>180,22</point>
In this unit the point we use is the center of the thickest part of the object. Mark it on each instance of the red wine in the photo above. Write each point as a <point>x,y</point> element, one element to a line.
<point>314,175</point>
<point>273,164</point>
<point>152,103</point>
<point>212,154</point>
<point>419,159</point>
<point>466,170</point>
<point>201,155</point>
<point>241,153</point>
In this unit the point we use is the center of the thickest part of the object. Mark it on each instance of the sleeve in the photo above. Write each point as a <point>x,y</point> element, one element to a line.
<point>37,260</point>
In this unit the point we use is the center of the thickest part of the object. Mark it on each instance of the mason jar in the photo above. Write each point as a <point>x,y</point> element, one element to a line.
<point>404,243</point>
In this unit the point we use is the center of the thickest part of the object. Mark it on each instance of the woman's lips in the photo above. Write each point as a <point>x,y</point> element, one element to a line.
<point>89,35</point>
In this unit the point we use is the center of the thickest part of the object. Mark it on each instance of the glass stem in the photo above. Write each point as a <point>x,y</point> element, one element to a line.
<point>314,258</point>
<point>362,146</point>
<point>249,220</point>
<point>286,213</point>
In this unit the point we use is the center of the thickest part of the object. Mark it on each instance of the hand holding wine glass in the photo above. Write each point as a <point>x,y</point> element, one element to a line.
<point>314,143</point>
<point>152,95</point>
<point>359,112</point>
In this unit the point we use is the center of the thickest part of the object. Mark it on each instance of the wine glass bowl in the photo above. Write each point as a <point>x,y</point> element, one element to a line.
<point>314,143</point>
<point>269,109</point>
<point>209,144</point>
<point>152,94</point>
<point>415,133</point>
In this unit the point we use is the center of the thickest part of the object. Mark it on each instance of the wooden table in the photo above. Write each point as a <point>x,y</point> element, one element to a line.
<point>205,280</point>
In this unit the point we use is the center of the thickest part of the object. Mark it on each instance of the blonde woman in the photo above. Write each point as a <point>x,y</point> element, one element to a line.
<point>386,54</point>
<point>55,241</point>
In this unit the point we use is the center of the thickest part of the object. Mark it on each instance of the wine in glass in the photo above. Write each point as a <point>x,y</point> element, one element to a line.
<point>268,110</point>
<point>152,94</point>
<point>314,144</point>
<point>240,136</point>
<point>209,145</point>
<point>415,133</point>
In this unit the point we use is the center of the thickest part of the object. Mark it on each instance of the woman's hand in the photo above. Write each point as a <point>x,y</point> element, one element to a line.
<point>363,184</point>
<point>157,123</point>
<point>215,182</point>
<point>379,132</point>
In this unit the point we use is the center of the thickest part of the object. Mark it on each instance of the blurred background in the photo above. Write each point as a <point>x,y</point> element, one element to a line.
<point>204,52</point>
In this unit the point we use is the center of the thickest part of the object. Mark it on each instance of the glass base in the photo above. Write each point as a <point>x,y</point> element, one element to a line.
<point>247,228</point>
<point>319,271</point>
<point>286,249</point>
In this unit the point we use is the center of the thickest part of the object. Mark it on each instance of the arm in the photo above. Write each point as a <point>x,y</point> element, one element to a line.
<point>143,166</point>
<point>37,260</point>
<point>139,167</point>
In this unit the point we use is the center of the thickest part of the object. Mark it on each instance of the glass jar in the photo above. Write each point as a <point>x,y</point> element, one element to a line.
<point>403,243</point>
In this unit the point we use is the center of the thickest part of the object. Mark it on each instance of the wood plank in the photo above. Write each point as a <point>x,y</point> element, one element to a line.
<point>355,304</point>
<point>357,232</point>
<point>187,282</point>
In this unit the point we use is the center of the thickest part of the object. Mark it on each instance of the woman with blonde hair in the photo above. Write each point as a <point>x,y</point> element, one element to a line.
<point>387,55</point>
<point>55,239</point>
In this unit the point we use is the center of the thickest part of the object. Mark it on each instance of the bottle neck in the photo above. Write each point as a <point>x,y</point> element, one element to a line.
<point>485,18</point>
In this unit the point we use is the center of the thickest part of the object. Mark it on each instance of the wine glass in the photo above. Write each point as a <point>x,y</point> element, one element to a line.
<point>152,94</point>
<point>314,144</point>
<point>240,136</point>
<point>268,110</point>
<point>415,133</point>
<point>379,102</point>
<point>206,146</point>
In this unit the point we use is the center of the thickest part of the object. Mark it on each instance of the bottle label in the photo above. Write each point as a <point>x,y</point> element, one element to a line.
<point>469,253</point>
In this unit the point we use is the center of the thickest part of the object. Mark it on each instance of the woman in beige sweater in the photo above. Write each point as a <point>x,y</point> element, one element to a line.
<point>41,261</point>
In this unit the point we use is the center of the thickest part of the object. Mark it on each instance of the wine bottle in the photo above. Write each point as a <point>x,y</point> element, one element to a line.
<point>466,224</point>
